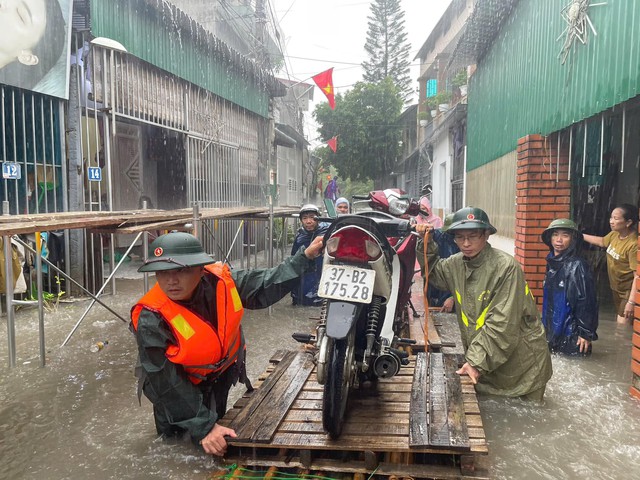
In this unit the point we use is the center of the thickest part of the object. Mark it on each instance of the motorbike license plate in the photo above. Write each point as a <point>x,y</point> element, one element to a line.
<point>350,284</point>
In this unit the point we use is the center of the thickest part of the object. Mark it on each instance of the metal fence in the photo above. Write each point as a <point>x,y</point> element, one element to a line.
<point>31,152</point>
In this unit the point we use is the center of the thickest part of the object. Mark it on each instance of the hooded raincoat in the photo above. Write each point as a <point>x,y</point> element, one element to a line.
<point>502,334</point>
<point>570,305</point>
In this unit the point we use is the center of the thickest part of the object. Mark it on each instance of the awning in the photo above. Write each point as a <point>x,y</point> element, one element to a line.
<point>291,132</point>
<point>284,140</point>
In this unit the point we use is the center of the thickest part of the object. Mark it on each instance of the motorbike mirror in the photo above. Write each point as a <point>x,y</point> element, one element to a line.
<point>426,189</point>
<point>414,208</point>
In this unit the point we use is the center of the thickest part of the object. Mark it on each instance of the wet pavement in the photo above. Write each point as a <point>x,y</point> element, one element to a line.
<point>79,416</point>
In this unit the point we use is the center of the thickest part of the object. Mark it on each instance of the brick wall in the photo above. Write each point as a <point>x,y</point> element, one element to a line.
<point>635,349</point>
<point>542,194</point>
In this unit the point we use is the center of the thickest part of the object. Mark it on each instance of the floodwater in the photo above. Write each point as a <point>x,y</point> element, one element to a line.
<point>79,416</point>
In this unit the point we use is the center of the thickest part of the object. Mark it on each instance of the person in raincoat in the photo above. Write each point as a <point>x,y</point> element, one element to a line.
<point>189,335</point>
<point>342,206</point>
<point>306,292</point>
<point>505,347</point>
<point>569,305</point>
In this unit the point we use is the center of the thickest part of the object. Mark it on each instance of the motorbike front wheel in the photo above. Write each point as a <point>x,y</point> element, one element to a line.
<point>339,377</point>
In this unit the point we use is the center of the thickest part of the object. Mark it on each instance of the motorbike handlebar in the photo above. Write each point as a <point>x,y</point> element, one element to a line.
<point>360,197</point>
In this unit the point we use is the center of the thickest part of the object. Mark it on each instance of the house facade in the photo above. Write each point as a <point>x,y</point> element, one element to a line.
<point>442,112</point>
<point>159,111</point>
<point>553,108</point>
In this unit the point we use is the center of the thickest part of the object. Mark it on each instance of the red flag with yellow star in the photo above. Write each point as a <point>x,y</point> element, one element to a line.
<point>324,80</point>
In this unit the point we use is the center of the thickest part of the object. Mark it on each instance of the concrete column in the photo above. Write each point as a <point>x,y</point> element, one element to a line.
<point>543,193</point>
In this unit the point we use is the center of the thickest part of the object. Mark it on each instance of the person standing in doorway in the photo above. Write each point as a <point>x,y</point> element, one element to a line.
<point>570,305</point>
<point>622,258</point>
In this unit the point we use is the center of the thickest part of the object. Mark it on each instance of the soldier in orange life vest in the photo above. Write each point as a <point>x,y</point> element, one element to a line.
<point>190,343</point>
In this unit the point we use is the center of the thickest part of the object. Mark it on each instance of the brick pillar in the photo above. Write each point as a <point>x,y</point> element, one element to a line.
<point>635,349</point>
<point>543,194</point>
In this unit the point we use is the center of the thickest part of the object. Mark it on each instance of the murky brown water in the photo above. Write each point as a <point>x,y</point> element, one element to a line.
<point>79,417</point>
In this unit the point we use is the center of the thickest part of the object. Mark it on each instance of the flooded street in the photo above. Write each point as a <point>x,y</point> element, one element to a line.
<point>79,417</point>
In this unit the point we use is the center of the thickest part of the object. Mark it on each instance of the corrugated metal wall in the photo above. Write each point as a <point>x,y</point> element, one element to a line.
<point>160,41</point>
<point>492,187</point>
<point>521,86</point>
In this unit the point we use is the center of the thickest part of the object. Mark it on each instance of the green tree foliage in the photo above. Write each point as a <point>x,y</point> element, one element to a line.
<point>366,120</point>
<point>387,46</point>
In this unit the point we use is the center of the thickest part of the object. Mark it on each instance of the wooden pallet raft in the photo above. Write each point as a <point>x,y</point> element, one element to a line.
<point>422,423</point>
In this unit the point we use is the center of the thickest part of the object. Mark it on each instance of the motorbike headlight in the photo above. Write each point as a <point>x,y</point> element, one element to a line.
<point>398,206</point>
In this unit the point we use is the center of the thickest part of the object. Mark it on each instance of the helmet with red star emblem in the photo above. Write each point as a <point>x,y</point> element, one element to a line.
<point>175,250</point>
<point>470,218</point>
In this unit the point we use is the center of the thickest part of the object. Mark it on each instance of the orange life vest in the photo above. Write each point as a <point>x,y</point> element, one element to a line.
<point>202,350</point>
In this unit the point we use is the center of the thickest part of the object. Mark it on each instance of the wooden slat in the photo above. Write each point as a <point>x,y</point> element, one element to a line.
<point>456,419</point>
<point>419,419</point>
<point>258,396</point>
<point>378,420</point>
<point>438,426</point>
<point>267,415</point>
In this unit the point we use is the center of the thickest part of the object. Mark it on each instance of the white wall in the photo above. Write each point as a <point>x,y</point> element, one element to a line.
<point>441,179</point>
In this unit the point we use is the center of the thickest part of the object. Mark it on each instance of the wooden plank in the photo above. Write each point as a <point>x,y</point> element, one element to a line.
<point>456,418</point>
<point>282,396</point>
<point>419,414</point>
<point>435,342</point>
<point>447,325</point>
<point>258,396</point>
<point>438,426</point>
<point>416,332</point>
<point>23,224</point>
<point>268,411</point>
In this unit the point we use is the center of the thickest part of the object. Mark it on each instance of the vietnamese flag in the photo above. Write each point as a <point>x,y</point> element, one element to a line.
<point>333,143</point>
<point>324,80</point>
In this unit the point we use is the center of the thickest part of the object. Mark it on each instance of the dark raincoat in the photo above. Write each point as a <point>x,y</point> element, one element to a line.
<point>306,292</point>
<point>570,305</point>
<point>446,248</point>
<point>179,406</point>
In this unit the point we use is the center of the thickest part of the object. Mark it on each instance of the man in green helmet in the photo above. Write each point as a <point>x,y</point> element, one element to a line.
<point>505,347</point>
<point>188,329</point>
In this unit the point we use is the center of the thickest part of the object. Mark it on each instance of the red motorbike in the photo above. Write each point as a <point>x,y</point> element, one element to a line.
<point>367,273</point>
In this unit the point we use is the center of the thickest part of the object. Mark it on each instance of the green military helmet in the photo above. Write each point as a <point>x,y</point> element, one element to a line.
<point>448,220</point>
<point>175,250</point>
<point>560,224</point>
<point>471,218</point>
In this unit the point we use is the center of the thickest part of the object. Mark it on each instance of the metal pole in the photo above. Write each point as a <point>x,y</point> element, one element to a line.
<point>570,151</point>
<point>624,127</point>
<point>272,181</point>
<point>584,149</point>
<point>40,304</point>
<point>145,251</point>
<point>558,159</point>
<point>235,238</point>
<point>601,141</point>
<point>196,220</point>
<point>75,327</point>
<point>8,277</point>
<point>68,277</point>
